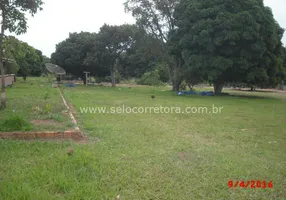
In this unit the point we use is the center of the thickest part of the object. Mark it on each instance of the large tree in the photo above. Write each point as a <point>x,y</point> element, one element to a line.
<point>71,54</point>
<point>29,61</point>
<point>13,18</point>
<point>226,41</point>
<point>110,44</point>
<point>156,18</point>
<point>143,56</point>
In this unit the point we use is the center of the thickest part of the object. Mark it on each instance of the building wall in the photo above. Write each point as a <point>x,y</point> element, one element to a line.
<point>9,80</point>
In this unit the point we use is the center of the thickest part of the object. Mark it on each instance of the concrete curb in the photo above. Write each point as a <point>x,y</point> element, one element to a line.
<point>70,113</point>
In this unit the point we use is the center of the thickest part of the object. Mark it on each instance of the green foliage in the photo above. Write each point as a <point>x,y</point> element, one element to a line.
<point>21,58</point>
<point>111,42</point>
<point>163,71</point>
<point>48,108</point>
<point>13,18</point>
<point>15,123</point>
<point>50,77</point>
<point>14,14</point>
<point>143,56</point>
<point>224,41</point>
<point>150,78</point>
<point>156,17</point>
<point>30,63</point>
<point>46,95</point>
<point>183,86</point>
<point>71,54</point>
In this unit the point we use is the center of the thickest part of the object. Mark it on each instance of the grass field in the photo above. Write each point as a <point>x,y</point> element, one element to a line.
<point>153,156</point>
<point>39,103</point>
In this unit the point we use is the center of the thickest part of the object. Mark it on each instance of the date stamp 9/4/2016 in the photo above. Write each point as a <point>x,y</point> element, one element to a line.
<point>253,184</point>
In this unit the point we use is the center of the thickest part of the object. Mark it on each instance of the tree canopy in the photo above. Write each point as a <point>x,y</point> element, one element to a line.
<point>222,42</point>
<point>110,44</point>
<point>22,59</point>
<point>156,17</point>
<point>228,41</point>
<point>71,54</point>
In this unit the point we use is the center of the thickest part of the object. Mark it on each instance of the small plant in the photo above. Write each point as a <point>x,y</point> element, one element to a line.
<point>48,108</point>
<point>15,123</point>
<point>46,95</point>
<point>150,78</point>
<point>50,78</point>
<point>55,117</point>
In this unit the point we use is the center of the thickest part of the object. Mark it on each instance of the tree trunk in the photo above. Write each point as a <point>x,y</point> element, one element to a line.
<point>113,80</point>
<point>176,79</point>
<point>84,80</point>
<point>3,88</point>
<point>282,85</point>
<point>218,88</point>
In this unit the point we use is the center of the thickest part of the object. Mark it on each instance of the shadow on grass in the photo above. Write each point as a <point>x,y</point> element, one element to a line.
<point>227,96</point>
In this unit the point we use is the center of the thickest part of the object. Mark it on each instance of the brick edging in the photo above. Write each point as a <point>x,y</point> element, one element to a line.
<point>64,135</point>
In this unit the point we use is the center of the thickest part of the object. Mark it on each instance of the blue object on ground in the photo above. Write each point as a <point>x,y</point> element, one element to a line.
<point>210,94</point>
<point>189,92</point>
<point>207,93</point>
<point>195,93</point>
<point>70,85</point>
<point>203,93</point>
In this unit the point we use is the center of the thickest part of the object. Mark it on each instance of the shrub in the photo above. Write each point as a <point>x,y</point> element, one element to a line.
<point>183,86</point>
<point>15,123</point>
<point>150,78</point>
<point>163,72</point>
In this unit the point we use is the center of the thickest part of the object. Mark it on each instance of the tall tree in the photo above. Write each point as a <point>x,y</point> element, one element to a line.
<point>110,44</point>
<point>30,61</point>
<point>13,19</point>
<point>71,54</point>
<point>143,56</point>
<point>156,17</point>
<point>224,41</point>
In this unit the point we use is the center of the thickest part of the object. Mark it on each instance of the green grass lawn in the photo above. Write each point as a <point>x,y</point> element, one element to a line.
<point>38,103</point>
<point>154,156</point>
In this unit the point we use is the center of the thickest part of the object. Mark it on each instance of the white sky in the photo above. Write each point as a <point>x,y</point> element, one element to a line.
<point>60,17</point>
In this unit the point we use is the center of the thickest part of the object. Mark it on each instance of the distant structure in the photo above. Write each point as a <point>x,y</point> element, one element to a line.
<point>55,69</point>
<point>86,77</point>
<point>10,79</point>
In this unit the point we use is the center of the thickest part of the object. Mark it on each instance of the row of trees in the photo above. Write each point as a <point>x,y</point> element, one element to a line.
<point>219,41</point>
<point>124,50</point>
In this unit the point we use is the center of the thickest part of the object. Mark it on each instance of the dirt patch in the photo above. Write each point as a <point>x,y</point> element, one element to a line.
<point>186,156</point>
<point>182,155</point>
<point>40,122</point>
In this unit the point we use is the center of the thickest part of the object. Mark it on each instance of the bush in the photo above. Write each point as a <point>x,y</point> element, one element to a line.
<point>150,78</point>
<point>15,123</point>
<point>163,72</point>
<point>183,86</point>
